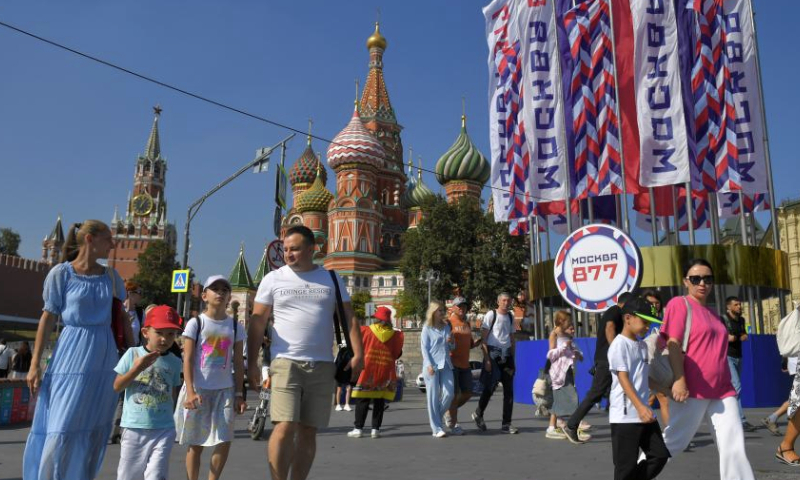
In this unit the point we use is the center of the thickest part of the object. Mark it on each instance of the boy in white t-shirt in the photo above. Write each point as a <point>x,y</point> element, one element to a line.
<point>150,376</point>
<point>633,424</point>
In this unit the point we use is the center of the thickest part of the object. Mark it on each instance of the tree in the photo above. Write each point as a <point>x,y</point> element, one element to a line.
<point>358,300</point>
<point>9,242</point>
<point>406,305</point>
<point>156,264</point>
<point>468,248</point>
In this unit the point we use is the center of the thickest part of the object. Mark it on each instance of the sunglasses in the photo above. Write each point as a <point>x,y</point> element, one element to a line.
<point>696,279</point>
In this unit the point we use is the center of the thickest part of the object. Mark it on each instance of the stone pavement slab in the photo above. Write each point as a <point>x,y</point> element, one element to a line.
<point>408,451</point>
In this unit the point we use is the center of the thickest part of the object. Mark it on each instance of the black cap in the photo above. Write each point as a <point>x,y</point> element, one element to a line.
<point>641,308</point>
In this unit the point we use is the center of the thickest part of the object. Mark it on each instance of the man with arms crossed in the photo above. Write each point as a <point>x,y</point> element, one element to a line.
<point>302,300</point>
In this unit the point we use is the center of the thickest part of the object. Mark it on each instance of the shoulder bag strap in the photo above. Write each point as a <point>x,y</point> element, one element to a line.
<point>200,327</point>
<point>339,321</point>
<point>688,326</point>
<point>113,282</point>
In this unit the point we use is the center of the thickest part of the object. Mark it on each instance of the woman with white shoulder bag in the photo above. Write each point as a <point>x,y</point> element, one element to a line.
<point>702,385</point>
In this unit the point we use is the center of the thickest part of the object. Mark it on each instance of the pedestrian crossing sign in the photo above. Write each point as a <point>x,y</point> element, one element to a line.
<point>180,281</point>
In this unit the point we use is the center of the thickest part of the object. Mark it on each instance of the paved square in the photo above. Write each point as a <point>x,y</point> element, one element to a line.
<point>408,451</point>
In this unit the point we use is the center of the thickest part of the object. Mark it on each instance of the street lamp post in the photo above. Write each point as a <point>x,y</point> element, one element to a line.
<point>262,157</point>
<point>431,276</point>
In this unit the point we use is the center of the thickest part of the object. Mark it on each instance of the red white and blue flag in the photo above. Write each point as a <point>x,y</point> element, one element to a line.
<point>729,205</point>
<point>510,159</point>
<point>598,169</point>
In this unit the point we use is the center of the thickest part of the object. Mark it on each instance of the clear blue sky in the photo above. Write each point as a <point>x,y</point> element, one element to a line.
<point>70,129</point>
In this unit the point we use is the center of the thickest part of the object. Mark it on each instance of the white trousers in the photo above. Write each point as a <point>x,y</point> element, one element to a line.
<point>726,430</point>
<point>144,454</point>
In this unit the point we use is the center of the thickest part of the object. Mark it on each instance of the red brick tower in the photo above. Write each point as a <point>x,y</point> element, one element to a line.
<point>145,218</point>
<point>378,116</point>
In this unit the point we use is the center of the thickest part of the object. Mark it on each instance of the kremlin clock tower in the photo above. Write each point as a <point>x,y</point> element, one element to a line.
<point>145,219</point>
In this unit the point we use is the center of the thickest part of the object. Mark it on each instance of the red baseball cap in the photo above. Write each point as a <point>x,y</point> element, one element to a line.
<point>163,316</point>
<point>383,314</point>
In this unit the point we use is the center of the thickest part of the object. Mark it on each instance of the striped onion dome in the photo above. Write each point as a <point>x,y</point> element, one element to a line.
<point>463,161</point>
<point>355,144</point>
<point>304,169</point>
<point>315,199</point>
<point>416,191</point>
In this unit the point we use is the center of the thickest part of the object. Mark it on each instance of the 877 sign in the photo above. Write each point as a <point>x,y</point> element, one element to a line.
<point>596,264</point>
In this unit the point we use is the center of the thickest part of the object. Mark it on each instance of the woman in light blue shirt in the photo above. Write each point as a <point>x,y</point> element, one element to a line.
<point>437,341</point>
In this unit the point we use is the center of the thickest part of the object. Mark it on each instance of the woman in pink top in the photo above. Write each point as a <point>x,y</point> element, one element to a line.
<point>702,388</point>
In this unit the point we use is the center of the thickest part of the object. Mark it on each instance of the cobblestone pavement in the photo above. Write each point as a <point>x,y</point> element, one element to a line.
<point>408,451</point>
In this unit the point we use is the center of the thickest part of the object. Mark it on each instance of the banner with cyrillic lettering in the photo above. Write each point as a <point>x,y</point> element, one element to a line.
<point>543,99</point>
<point>509,151</point>
<point>662,126</point>
<point>743,64</point>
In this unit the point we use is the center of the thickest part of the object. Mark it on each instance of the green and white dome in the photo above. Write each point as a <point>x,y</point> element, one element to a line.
<point>463,161</point>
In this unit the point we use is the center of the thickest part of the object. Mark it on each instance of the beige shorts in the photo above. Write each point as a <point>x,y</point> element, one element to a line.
<point>301,392</point>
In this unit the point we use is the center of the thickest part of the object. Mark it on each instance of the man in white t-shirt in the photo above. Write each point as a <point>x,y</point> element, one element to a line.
<point>497,333</point>
<point>301,297</point>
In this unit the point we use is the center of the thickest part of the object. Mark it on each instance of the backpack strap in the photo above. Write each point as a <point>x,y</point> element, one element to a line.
<point>199,327</point>
<point>339,321</point>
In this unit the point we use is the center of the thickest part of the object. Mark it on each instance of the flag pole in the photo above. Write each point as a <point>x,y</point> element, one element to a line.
<point>653,226</point>
<point>743,220</point>
<point>776,239</point>
<point>625,220</point>
<point>675,215</point>
<point>562,131</point>
<point>690,212</point>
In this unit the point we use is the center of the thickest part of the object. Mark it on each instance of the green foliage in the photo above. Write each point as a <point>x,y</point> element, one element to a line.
<point>156,264</point>
<point>358,300</point>
<point>9,242</point>
<point>406,305</point>
<point>469,250</point>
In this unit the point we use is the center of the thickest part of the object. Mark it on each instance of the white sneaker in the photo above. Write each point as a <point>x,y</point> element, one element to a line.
<point>440,434</point>
<point>555,433</point>
<point>347,408</point>
<point>338,408</point>
<point>375,433</point>
<point>355,433</point>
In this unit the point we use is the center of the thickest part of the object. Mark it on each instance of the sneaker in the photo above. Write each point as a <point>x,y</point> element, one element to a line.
<point>338,408</point>
<point>771,426</point>
<point>572,435</point>
<point>456,430</point>
<point>555,433</point>
<point>508,428</point>
<point>347,408</point>
<point>355,433</point>
<point>479,421</point>
<point>584,426</point>
<point>440,434</point>
<point>583,436</point>
<point>748,427</point>
<point>375,433</point>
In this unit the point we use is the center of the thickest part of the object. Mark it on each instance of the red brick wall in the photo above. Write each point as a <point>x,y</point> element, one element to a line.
<point>22,280</point>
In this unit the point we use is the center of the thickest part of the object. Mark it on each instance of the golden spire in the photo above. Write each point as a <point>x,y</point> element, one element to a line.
<point>463,112</point>
<point>355,102</point>
<point>376,40</point>
<point>410,161</point>
<point>419,168</point>
<point>310,123</point>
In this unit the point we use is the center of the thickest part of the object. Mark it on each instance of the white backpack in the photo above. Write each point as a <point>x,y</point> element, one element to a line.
<point>788,335</point>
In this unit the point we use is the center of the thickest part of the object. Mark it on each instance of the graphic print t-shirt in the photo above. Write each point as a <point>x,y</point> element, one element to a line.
<point>303,305</point>
<point>148,399</point>
<point>213,354</point>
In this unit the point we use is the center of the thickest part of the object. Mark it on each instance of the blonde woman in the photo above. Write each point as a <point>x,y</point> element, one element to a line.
<point>75,411</point>
<point>437,341</point>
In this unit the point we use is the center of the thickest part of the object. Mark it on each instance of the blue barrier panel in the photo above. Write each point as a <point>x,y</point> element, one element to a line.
<point>762,387</point>
<point>530,358</point>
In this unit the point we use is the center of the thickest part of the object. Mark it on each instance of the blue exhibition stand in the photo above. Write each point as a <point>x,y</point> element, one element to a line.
<point>763,383</point>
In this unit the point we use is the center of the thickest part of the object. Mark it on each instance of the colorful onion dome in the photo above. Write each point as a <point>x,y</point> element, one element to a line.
<point>304,169</point>
<point>355,144</point>
<point>463,161</point>
<point>315,199</point>
<point>376,40</point>
<point>416,191</point>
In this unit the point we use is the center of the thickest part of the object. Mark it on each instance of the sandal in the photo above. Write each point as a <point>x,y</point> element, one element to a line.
<point>781,458</point>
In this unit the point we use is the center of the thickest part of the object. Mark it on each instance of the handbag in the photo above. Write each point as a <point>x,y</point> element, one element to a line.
<point>342,362</point>
<point>118,315</point>
<point>788,336</point>
<point>660,370</point>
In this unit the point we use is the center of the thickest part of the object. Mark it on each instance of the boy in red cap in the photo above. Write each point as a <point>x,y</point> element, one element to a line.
<point>150,377</point>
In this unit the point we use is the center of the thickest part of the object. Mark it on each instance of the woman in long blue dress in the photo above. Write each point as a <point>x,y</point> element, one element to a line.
<point>75,408</point>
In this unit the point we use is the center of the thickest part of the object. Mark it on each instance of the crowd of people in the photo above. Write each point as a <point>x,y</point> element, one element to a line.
<point>190,395</point>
